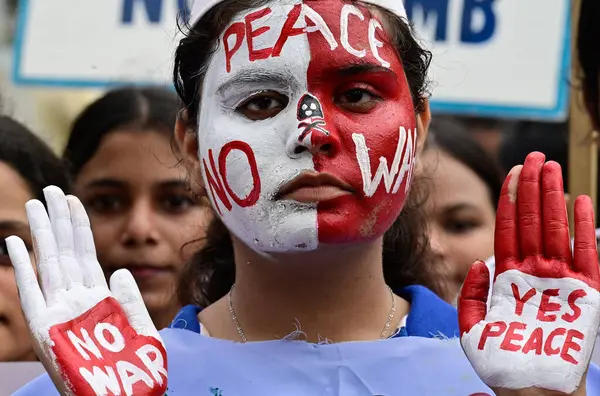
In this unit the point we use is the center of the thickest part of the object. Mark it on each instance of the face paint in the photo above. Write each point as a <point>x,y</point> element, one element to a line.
<point>306,88</point>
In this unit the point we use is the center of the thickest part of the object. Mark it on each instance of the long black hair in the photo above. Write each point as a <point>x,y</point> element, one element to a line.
<point>589,56</point>
<point>211,272</point>
<point>31,158</point>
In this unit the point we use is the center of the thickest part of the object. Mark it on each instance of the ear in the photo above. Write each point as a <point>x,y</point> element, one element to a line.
<point>423,120</point>
<point>187,143</point>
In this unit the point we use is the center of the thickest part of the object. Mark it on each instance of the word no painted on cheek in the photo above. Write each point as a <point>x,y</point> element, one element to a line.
<point>217,180</point>
<point>561,340</point>
<point>101,354</point>
<point>248,30</point>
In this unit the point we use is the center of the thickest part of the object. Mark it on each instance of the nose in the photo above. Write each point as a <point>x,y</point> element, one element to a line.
<point>315,143</point>
<point>140,228</point>
<point>436,241</point>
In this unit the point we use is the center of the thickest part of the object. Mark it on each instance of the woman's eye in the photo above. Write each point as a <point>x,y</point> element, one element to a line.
<point>108,203</point>
<point>262,106</point>
<point>358,100</point>
<point>460,227</point>
<point>176,203</point>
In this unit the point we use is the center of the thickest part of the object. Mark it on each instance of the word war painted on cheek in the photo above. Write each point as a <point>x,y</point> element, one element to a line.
<point>247,31</point>
<point>101,354</point>
<point>401,168</point>
<point>220,186</point>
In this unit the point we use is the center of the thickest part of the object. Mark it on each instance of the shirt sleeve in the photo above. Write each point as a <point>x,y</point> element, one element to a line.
<point>42,385</point>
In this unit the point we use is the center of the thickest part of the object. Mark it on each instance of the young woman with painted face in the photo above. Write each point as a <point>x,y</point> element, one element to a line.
<point>141,209</point>
<point>464,188</point>
<point>26,166</point>
<point>302,121</point>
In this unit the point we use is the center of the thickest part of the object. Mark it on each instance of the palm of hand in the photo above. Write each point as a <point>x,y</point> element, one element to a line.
<point>91,339</point>
<point>539,328</point>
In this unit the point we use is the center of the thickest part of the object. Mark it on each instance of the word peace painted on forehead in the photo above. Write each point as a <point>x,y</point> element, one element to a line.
<point>248,30</point>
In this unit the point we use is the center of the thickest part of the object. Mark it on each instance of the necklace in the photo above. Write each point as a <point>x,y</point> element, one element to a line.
<point>384,332</point>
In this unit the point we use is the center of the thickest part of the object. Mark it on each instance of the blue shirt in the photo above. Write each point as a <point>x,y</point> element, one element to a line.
<point>425,359</point>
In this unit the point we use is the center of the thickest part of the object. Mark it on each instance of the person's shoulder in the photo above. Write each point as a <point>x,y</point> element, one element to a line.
<point>42,385</point>
<point>593,381</point>
<point>429,315</point>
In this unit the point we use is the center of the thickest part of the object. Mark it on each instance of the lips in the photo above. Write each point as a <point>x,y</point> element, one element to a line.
<point>310,187</point>
<point>143,270</point>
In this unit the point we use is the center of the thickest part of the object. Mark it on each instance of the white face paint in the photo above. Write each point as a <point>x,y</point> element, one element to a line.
<point>269,225</point>
<point>296,50</point>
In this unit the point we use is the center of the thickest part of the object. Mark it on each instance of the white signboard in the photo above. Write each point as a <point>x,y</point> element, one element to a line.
<point>507,58</point>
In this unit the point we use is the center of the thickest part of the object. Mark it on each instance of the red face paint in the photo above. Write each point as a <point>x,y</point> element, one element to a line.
<point>357,217</point>
<point>100,352</point>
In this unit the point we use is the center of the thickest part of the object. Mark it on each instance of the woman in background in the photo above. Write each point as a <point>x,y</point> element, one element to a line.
<point>27,165</point>
<point>142,212</point>
<point>461,206</point>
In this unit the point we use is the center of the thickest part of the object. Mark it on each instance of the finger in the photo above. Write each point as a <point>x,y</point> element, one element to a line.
<point>44,247</point>
<point>60,219</point>
<point>506,239</point>
<point>554,214</point>
<point>127,293</point>
<point>529,205</point>
<point>32,299</point>
<point>472,303</point>
<point>85,249</point>
<point>585,251</point>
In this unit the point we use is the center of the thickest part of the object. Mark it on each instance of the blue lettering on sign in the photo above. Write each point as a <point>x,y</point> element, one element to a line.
<point>153,10</point>
<point>436,11</point>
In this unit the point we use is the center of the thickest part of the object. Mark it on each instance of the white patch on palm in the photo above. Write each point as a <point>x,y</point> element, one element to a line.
<point>509,369</point>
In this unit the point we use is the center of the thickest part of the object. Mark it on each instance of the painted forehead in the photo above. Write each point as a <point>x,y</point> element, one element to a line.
<point>281,34</point>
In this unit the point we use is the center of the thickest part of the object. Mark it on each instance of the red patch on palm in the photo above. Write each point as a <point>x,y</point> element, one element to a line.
<point>100,350</point>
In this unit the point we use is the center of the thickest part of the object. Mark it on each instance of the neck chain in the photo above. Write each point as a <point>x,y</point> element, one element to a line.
<point>384,332</point>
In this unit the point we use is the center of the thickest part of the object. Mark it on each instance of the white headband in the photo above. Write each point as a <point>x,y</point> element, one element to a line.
<point>201,7</point>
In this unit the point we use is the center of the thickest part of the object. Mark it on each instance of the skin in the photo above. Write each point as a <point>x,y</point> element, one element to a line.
<point>460,218</point>
<point>142,214</point>
<point>14,334</point>
<point>341,278</point>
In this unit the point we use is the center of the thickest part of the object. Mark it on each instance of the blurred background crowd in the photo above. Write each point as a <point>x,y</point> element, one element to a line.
<point>112,148</point>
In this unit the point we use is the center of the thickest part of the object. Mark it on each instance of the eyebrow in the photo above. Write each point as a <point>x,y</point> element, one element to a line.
<point>105,183</point>
<point>114,183</point>
<point>363,67</point>
<point>459,206</point>
<point>247,77</point>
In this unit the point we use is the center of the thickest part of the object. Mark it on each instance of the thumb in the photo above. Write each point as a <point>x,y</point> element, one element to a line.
<point>472,302</point>
<point>127,293</point>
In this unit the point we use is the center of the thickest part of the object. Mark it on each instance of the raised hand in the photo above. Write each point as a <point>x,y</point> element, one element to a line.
<point>544,311</point>
<point>91,340</point>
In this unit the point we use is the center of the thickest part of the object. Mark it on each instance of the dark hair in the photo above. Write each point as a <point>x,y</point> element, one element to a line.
<point>31,158</point>
<point>144,108</point>
<point>550,138</point>
<point>211,272</point>
<point>453,138</point>
<point>589,56</point>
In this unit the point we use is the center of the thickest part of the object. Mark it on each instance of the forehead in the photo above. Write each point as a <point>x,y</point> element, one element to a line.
<point>133,156</point>
<point>281,39</point>
<point>453,181</point>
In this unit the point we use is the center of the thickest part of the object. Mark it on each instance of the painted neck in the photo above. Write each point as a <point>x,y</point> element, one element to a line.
<point>336,293</point>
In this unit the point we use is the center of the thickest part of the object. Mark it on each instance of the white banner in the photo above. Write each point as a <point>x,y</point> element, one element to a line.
<point>506,58</point>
